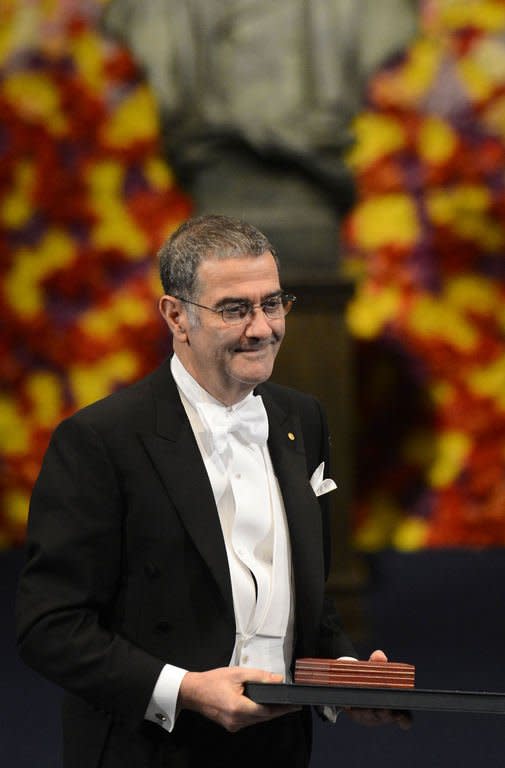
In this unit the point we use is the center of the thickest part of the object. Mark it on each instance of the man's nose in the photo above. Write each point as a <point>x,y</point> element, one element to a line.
<point>257,324</point>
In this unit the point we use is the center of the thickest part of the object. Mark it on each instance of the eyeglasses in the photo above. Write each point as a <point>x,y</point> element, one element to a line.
<point>234,314</point>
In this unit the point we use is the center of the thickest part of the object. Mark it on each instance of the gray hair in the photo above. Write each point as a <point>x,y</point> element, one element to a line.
<point>206,237</point>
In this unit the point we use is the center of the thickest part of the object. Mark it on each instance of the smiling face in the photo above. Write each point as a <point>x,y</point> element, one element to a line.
<point>228,361</point>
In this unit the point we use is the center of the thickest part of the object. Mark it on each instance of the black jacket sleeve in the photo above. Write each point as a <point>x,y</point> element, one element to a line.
<point>72,578</point>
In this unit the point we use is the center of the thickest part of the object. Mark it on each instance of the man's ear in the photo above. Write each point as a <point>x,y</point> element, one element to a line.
<point>175,317</point>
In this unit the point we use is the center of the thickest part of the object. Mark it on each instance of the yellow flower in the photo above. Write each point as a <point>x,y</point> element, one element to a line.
<point>36,98</point>
<point>370,311</point>
<point>90,383</point>
<point>493,116</point>
<point>18,28</point>
<point>22,282</point>
<point>465,209</point>
<point>45,393</point>
<point>134,120</point>
<point>6,34</point>
<point>86,50</point>
<point>117,229</point>
<point>124,310</point>
<point>437,140</point>
<point>489,55</point>
<point>16,503</point>
<point>16,506</point>
<point>488,15</point>
<point>451,450</point>
<point>472,292</point>
<point>384,220</point>
<point>16,208</point>
<point>104,180</point>
<point>410,534</point>
<point>481,229</point>
<point>114,227</point>
<point>376,136</point>
<point>476,79</point>
<point>448,205</point>
<point>489,381</point>
<point>55,250</point>
<point>420,69</point>
<point>14,428</point>
<point>158,173</point>
<point>435,317</point>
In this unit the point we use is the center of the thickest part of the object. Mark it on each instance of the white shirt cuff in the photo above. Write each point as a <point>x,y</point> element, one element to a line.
<point>162,708</point>
<point>330,713</point>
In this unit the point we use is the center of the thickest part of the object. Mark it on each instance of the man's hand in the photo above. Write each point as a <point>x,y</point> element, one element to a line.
<point>380,716</point>
<point>219,695</point>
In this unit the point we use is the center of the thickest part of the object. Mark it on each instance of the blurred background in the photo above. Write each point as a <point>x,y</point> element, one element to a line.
<point>368,140</point>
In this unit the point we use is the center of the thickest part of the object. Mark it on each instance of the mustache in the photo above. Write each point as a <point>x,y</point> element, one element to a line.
<point>257,346</point>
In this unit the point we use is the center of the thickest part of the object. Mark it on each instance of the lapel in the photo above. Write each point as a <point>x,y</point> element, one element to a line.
<point>303,512</point>
<point>176,457</point>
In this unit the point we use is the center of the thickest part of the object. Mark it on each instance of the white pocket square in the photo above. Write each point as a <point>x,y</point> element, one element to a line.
<point>320,486</point>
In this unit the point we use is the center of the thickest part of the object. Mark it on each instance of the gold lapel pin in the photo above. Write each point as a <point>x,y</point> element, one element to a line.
<point>291,436</point>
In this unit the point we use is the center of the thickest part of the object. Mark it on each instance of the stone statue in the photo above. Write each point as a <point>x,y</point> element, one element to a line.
<point>256,100</point>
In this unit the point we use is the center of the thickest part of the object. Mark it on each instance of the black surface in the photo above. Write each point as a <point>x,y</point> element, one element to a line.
<point>383,698</point>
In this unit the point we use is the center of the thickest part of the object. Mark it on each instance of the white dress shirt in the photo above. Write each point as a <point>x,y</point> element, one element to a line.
<point>252,517</point>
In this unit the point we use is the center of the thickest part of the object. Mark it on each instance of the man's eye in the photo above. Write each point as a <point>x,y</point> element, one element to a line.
<point>273,303</point>
<point>235,310</point>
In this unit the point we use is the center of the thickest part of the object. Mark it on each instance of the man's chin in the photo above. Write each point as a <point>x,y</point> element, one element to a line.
<point>252,372</point>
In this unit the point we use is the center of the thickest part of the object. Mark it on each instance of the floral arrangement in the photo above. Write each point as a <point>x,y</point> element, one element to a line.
<point>85,201</point>
<point>426,244</point>
<point>86,198</point>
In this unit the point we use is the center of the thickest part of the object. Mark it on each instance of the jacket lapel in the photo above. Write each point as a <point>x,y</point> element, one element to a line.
<point>175,455</point>
<point>303,514</point>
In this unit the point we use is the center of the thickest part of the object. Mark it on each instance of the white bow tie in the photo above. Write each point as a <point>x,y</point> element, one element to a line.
<point>249,422</point>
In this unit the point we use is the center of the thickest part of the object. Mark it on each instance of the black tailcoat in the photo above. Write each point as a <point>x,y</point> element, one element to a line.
<point>127,566</point>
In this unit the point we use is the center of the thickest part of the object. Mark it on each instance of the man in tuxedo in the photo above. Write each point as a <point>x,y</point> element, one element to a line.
<point>176,547</point>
